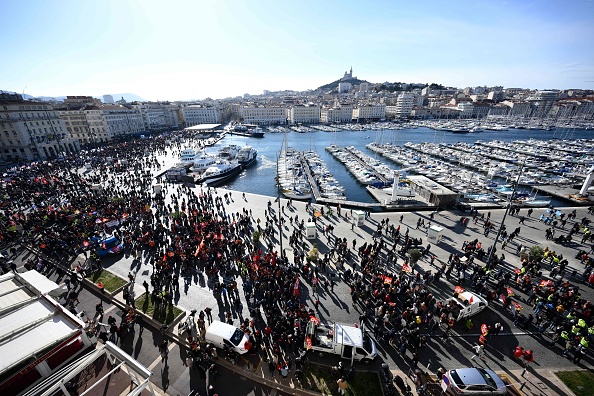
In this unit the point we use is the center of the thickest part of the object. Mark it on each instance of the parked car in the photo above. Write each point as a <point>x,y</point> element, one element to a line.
<point>109,246</point>
<point>475,381</point>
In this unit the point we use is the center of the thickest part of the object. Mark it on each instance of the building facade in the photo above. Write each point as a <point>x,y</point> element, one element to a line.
<point>370,112</point>
<point>196,114</point>
<point>264,115</point>
<point>304,114</point>
<point>32,130</point>
<point>338,114</point>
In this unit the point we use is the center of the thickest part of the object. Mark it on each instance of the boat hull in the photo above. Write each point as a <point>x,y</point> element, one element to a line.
<point>221,177</point>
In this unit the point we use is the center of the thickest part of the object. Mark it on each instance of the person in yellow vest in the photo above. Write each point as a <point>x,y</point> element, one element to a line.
<point>581,323</point>
<point>570,316</point>
<point>575,330</point>
<point>584,342</point>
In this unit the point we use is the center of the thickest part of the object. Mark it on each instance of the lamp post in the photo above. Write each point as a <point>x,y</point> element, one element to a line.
<point>507,208</point>
<point>280,226</point>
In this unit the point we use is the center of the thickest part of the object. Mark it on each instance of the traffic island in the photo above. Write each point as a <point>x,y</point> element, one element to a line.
<point>162,311</point>
<point>105,281</point>
<point>580,382</point>
<point>320,379</point>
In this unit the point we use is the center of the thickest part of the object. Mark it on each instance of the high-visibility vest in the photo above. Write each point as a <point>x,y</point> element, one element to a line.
<point>581,323</point>
<point>564,335</point>
<point>584,342</point>
<point>570,316</point>
<point>575,329</point>
<point>591,330</point>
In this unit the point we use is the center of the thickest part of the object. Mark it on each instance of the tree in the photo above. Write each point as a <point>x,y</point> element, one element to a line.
<point>313,254</point>
<point>414,255</point>
<point>256,238</point>
<point>536,253</point>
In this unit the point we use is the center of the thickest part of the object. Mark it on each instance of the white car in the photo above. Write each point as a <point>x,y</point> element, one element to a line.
<point>475,381</point>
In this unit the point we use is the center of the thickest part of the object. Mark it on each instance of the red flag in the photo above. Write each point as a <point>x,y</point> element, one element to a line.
<point>406,268</point>
<point>308,343</point>
<point>484,329</point>
<point>458,289</point>
<point>471,299</point>
<point>314,319</point>
<point>387,279</point>
<point>518,306</point>
<point>510,292</point>
<point>517,271</point>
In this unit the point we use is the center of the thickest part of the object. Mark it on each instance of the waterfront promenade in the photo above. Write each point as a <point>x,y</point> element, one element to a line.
<point>336,305</point>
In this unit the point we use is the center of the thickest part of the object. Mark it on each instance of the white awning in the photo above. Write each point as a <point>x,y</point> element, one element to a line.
<point>39,281</point>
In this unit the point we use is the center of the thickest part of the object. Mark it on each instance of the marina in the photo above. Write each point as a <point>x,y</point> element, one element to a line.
<point>479,171</point>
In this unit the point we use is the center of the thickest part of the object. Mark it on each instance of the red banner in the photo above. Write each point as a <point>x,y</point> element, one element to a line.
<point>458,289</point>
<point>387,279</point>
<point>406,268</point>
<point>484,329</point>
<point>308,343</point>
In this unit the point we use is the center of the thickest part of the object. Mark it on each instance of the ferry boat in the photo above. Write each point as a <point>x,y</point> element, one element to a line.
<point>246,156</point>
<point>229,152</point>
<point>188,156</point>
<point>248,131</point>
<point>219,172</point>
<point>202,162</point>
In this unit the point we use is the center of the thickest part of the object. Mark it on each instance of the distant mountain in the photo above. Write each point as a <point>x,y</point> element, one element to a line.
<point>334,85</point>
<point>128,97</point>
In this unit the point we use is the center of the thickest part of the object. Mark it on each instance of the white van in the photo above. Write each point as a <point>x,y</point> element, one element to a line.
<point>466,304</point>
<point>220,334</point>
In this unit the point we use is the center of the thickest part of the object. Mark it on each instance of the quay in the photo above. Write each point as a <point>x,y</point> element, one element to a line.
<point>565,192</point>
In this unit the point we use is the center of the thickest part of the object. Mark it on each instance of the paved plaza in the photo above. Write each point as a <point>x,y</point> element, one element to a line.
<point>195,289</point>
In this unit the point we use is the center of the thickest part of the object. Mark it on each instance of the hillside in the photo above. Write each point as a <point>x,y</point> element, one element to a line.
<point>334,85</point>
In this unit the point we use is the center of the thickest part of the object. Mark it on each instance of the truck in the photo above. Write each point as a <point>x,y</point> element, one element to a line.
<point>348,342</point>
<point>466,304</point>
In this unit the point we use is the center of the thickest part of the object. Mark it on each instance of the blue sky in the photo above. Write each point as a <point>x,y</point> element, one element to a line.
<point>178,49</point>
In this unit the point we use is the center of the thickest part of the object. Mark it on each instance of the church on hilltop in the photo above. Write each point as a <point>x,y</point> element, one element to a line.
<point>348,75</point>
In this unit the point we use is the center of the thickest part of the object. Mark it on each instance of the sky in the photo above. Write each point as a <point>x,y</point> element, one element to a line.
<point>194,49</point>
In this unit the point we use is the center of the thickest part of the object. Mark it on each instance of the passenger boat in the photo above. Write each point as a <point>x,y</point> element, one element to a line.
<point>220,171</point>
<point>188,156</point>
<point>247,156</point>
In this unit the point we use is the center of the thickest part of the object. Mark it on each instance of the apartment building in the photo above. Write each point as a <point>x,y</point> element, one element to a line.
<point>198,114</point>
<point>304,114</point>
<point>369,112</point>
<point>158,117</point>
<point>264,115</point>
<point>32,130</point>
<point>337,114</point>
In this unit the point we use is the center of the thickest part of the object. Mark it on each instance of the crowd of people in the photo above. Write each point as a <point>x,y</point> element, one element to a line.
<point>183,231</point>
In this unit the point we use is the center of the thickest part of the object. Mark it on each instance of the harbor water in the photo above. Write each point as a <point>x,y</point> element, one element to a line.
<point>260,178</point>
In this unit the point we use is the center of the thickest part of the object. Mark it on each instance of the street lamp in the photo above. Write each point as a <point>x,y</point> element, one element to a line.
<point>507,208</point>
<point>280,225</point>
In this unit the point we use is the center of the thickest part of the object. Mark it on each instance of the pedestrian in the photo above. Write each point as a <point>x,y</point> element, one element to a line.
<point>164,351</point>
<point>528,357</point>
<point>146,287</point>
<point>271,367</point>
<point>518,352</point>
<point>497,328</point>
<point>342,386</point>
<point>579,354</point>
<point>479,350</point>
<point>469,325</point>
<point>208,312</point>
